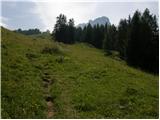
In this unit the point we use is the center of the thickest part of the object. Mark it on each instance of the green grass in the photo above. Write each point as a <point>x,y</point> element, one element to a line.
<point>87,83</point>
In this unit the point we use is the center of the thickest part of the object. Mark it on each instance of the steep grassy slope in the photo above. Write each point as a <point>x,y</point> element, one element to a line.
<point>86,84</point>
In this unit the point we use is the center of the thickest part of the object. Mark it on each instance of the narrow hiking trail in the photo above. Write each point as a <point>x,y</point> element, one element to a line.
<point>47,82</point>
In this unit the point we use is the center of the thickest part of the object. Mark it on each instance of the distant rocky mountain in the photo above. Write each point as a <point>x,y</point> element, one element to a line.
<point>100,20</point>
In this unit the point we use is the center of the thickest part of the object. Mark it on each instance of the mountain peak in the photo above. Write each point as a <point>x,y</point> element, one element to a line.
<point>100,20</point>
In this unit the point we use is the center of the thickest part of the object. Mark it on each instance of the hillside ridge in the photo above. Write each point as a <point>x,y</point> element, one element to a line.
<point>79,80</point>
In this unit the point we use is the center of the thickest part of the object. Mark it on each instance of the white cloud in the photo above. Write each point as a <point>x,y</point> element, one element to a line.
<point>4,25</point>
<point>42,13</point>
<point>3,21</point>
<point>85,10</point>
<point>48,11</point>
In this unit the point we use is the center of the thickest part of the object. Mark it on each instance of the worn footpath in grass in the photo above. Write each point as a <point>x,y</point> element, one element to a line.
<point>22,91</point>
<point>87,84</point>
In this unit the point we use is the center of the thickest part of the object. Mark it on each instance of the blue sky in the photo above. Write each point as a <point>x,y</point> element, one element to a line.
<point>42,14</point>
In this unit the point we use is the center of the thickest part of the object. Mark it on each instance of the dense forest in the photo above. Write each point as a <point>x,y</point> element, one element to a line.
<point>136,38</point>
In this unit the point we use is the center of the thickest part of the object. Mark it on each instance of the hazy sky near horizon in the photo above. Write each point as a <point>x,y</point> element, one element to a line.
<point>42,15</point>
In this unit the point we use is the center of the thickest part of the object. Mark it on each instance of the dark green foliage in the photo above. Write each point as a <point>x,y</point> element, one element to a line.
<point>89,34</point>
<point>136,38</point>
<point>51,50</point>
<point>142,51</point>
<point>63,31</point>
<point>92,35</point>
<point>70,31</point>
<point>134,45</point>
<point>29,32</point>
<point>60,28</point>
<point>98,36</point>
<point>130,91</point>
<point>123,36</point>
<point>67,33</point>
<point>78,34</point>
<point>110,39</point>
<point>31,56</point>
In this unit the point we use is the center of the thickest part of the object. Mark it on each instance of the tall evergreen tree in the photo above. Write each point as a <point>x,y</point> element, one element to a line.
<point>78,34</point>
<point>89,34</point>
<point>98,36</point>
<point>142,50</point>
<point>134,46</point>
<point>110,39</point>
<point>151,44</point>
<point>123,36</point>
<point>60,27</point>
<point>70,31</point>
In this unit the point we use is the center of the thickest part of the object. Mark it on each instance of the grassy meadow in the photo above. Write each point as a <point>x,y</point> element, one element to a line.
<point>86,82</point>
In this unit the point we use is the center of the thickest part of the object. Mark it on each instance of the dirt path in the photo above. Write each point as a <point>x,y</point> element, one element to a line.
<point>47,82</point>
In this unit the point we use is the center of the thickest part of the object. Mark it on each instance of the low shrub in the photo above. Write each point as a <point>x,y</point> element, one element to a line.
<point>51,50</point>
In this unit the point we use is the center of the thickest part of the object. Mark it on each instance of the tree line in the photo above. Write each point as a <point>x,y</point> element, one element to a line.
<point>135,38</point>
<point>29,31</point>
